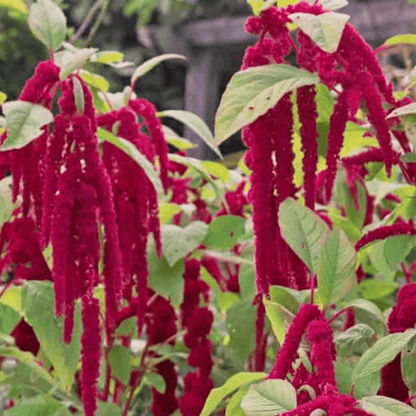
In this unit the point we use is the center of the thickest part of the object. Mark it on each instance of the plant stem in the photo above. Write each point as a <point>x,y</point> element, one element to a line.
<point>86,21</point>
<point>97,24</point>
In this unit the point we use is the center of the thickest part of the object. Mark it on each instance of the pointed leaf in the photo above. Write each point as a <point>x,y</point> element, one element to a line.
<point>75,61</point>
<point>325,29</point>
<point>119,358</point>
<point>107,57</point>
<point>381,353</point>
<point>268,398</point>
<point>234,404</point>
<point>175,140</point>
<point>135,154</point>
<point>48,23</point>
<point>233,383</point>
<point>24,121</point>
<point>336,268</point>
<point>196,124</point>
<point>404,110</point>
<point>385,406</point>
<point>94,80</point>
<point>304,231</point>
<point>178,242</point>
<point>157,381</point>
<point>147,66</point>
<point>254,91</point>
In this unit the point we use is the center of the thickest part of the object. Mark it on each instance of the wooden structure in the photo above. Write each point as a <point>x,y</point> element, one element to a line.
<point>216,47</point>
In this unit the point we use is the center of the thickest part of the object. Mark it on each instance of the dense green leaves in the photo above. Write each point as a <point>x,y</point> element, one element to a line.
<point>38,406</point>
<point>48,23</point>
<point>268,398</point>
<point>224,232</point>
<point>24,121</point>
<point>254,91</point>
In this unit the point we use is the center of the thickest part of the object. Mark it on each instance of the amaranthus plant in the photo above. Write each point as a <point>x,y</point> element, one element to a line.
<point>138,281</point>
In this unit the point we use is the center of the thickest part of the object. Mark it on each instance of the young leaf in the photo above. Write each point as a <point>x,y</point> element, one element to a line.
<point>24,121</point>
<point>224,232</point>
<point>119,358</point>
<point>233,383</point>
<point>407,39</point>
<point>147,66</point>
<point>75,61</point>
<point>336,266</point>
<point>196,124</point>
<point>381,353</point>
<point>303,230</point>
<point>107,57</point>
<point>178,242</point>
<point>38,306</point>
<point>380,405</point>
<point>355,341</point>
<point>95,80</point>
<point>134,153</point>
<point>167,211</point>
<point>157,381</point>
<point>268,398</point>
<point>48,23</point>
<point>325,29</point>
<point>254,91</point>
<point>217,170</point>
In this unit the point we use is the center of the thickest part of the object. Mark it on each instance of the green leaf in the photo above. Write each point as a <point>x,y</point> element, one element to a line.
<point>333,4</point>
<point>48,23</point>
<point>95,80</point>
<point>254,91</point>
<point>39,306</point>
<point>166,281</point>
<point>381,353</point>
<point>279,317</point>
<point>234,382</point>
<point>15,5</point>
<point>234,404</point>
<point>147,66</point>
<point>367,307</point>
<point>196,124</point>
<point>76,61</point>
<point>374,289</point>
<point>135,154</point>
<point>78,95</point>
<point>9,318</point>
<point>240,324</point>
<point>157,381</point>
<point>24,121</point>
<point>338,221</point>
<point>12,297</point>
<point>167,211</point>
<point>178,242</point>
<point>304,231</point>
<point>108,409</point>
<point>336,268</point>
<point>408,157</point>
<point>260,5</point>
<point>385,406</point>
<point>407,365</point>
<point>119,359</point>
<point>268,398</point>
<point>224,232</point>
<point>408,39</point>
<point>3,97</point>
<point>175,140</point>
<point>38,406</point>
<point>127,327</point>
<point>6,204</point>
<point>107,57</point>
<point>355,341</point>
<point>285,297</point>
<point>325,30</point>
<point>217,170</point>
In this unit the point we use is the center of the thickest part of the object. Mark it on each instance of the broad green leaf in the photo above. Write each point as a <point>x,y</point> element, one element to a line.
<point>48,23</point>
<point>354,341</point>
<point>165,280</point>
<point>336,268</point>
<point>240,324</point>
<point>367,307</point>
<point>127,327</point>
<point>224,232</point>
<point>385,406</point>
<point>381,353</point>
<point>217,170</point>
<point>39,308</point>
<point>254,91</point>
<point>78,95</point>
<point>374,289</point>
<point>24,121</point>
<point>135,154</point>
<point>107,57</point>
<point>6,204</point>
<point>94,80</point>
<point>234,404</point>
<point>3,97</point>
<point>76,61</point>
<point>408,365</point>
<point>304,231</point>
<point>147,66</point>
<point>119,358</point>
<point>167,211</point>
<point>325,30</point>
<point>268,398</point>
<point>157,381</point>
<point>234,382</point>
<point>108,409</point>
<point>13,297</point>
<point>9,318</point>
<point>38,406</point>
<point>196,124</point>
<point>338,221</point>
<point>408,38</point>
<point>178,242</point>
<point>175,140</point>
<point>408,157</point>
<point>18,5</point>
<point>285,297</point>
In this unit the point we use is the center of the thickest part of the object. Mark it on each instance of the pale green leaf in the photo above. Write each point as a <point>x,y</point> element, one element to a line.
<point>385,406</point>
<point>95,80</point>
<point>119,358</point>
<point>75,61</point>
<point>406,39</point>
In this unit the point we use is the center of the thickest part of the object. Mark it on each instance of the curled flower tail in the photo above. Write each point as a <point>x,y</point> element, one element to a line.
<point>147,110</point>
<point>90,353</point>
<point>380,233</point>
<point>309,134</point>
<point>288,352</point>
<point>323,353</point>
<point>337,125</point>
